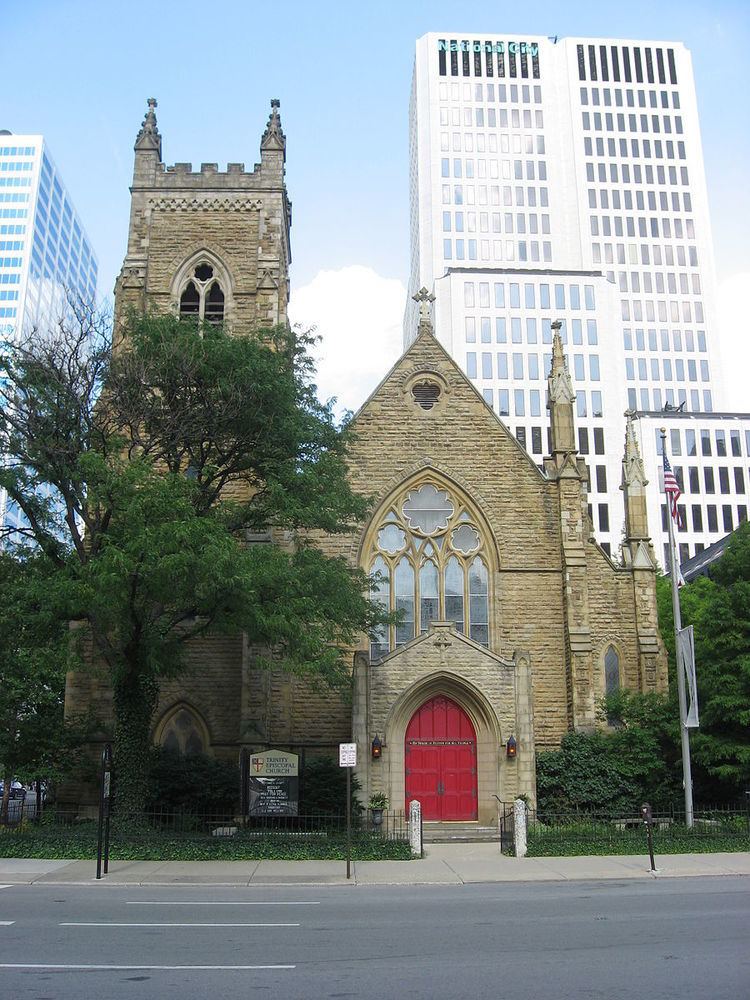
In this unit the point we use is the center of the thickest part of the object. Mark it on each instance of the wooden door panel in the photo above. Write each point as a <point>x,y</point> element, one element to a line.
<point>422,778</point>
<point>440,750</point>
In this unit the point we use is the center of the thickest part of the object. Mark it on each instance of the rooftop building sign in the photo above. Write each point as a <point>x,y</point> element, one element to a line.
<point>524,48</point>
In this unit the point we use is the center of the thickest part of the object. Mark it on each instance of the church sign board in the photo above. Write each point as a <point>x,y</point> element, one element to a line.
<point>273,783</point>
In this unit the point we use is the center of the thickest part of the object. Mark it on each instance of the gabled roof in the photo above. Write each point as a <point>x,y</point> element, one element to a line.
<point>423,347</point>
<point>437,636</point>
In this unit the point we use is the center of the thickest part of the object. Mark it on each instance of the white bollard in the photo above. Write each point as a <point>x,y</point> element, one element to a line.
<point>415,827</point>
<point>519,824</point>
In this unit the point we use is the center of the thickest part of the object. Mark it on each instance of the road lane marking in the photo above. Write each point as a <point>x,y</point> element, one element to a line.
<point>148,968</point>
<point>6,886</point>
<point>80,923</point>
<point>187,902</point>
<point>6,923</point>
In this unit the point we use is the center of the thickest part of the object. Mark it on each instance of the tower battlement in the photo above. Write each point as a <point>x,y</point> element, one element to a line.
<point>208,243</point>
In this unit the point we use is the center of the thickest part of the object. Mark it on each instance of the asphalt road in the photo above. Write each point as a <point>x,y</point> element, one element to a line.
<point>680,938</point>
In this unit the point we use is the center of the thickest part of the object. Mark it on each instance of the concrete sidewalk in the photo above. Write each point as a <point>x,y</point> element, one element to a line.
<point>443,864</point>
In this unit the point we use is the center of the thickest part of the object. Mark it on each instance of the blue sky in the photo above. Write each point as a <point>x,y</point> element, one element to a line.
<point>79,72</point>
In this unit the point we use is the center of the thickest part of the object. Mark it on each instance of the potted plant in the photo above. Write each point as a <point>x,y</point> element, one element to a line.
<point>378,802</point>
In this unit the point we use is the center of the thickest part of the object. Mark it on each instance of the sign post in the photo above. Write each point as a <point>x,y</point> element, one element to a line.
<point>105,798</point>
<point>244,790</point>
<point>348,759</point>
<point>648,819</point>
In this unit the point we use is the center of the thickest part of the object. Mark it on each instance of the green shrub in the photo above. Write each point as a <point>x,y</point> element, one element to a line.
<point>192,783</point>
<point>323,788</point>
<point>604,771</point>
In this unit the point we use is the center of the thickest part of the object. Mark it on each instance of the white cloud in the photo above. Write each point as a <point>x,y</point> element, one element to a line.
<point>735,340</point>
<point>359,315</point>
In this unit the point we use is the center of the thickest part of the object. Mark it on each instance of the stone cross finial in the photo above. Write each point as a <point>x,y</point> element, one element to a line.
<point>560,387</point>
<point>558,355</point>
<point>273,137</point>
<point>425,300</point>
<point>633,468</point>
<point>148,137</point>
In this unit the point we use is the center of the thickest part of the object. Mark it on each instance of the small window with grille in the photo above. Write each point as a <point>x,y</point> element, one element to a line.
<point>426,393</point>
<point>202,298</point>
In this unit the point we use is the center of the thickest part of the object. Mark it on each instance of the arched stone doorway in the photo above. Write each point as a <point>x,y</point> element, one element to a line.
<point>440,753</point>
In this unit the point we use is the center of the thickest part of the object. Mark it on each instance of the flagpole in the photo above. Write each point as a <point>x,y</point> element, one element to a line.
<point>687,778</point>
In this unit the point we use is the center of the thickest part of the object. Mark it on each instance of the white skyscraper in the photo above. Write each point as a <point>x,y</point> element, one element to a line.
<point>44,251</point>
<point>563,179</point>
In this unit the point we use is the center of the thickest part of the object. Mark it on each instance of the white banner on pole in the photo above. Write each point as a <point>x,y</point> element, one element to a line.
<point>686,662</point>
<point>676,563</point>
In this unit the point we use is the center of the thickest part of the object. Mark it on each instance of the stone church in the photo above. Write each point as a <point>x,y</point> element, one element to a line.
<point>515,622</point>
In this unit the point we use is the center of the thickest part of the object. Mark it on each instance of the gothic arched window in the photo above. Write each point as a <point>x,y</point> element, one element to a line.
<point>431,563</point>
<point>182,732</point>
<point>202,297</point>
<point>611,671</point>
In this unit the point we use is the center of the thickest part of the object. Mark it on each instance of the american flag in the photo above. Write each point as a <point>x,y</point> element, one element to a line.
<point>672,490</point>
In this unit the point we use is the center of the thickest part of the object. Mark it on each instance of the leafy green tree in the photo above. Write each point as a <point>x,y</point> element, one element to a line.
<point>34,740</point>
<point>193,782</point>
<point>323,788</point>
<point>719,609</point>
<point>640,758</point>
<point>604,771</point>
<point>143,472</point>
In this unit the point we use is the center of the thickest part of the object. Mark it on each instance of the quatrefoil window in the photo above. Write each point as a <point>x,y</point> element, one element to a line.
<point>428,509</point>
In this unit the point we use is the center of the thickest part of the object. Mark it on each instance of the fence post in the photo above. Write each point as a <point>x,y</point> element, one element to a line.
<point>415,827</point>
<point>519,827</point>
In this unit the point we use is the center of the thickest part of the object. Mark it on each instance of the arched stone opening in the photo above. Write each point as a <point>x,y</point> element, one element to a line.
<point>202,289</point>
<point>432,556</point>
<point>183,730</point>
<point>440,755</point>
<point>482,719</point>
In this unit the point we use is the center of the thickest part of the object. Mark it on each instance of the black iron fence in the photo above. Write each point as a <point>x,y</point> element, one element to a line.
<point>714,828</point>
<point>21,810</point>
<point>506,826</point>
<point>199,825</point>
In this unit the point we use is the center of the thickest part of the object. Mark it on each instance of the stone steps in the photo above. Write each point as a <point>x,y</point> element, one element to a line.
<point>451,833</point>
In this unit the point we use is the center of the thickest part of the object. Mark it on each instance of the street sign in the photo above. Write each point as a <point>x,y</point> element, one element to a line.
<point>348,759</point>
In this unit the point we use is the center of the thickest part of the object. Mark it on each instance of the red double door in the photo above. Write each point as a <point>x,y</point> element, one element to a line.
<point>441,761</point>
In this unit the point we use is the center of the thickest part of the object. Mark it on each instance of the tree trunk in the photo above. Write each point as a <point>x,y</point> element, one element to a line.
<point>135,697</point>
<point>7,778</point>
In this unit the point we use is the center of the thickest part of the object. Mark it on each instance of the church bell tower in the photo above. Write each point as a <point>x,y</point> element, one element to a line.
<point>208,244</point>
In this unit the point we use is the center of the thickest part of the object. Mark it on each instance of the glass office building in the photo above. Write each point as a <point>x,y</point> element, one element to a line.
<point>45,254</point>
<point>563,179</point>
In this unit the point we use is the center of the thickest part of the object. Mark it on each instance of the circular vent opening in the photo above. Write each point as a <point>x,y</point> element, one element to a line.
<point>426,394</point>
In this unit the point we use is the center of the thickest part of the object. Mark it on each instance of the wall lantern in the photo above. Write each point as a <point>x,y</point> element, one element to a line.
<point>377,748</point>
<point>511,748</point>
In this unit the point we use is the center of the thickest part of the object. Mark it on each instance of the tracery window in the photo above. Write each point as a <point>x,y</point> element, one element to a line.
<point>431,564</point>
<point>182,732</point>
<point>202,297</point>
